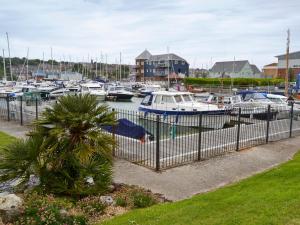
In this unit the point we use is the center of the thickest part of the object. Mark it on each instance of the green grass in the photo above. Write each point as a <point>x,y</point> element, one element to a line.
<point>272,197</point>
<point>5,139</point>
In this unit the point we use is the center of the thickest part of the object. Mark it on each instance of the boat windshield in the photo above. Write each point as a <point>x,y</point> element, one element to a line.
<point>277,100</point>
<point>95,88</point>
<point>187,98</point>
<point>178,98</point>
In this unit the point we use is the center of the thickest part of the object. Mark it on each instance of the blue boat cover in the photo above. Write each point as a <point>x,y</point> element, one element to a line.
<point>128,129</point>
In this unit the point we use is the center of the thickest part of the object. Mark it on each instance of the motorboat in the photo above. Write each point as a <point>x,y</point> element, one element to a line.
<point>119,93</point>
<point>183,110</point>
<point>148,89</point>
<point>58,93</point>
<point>95,89</point>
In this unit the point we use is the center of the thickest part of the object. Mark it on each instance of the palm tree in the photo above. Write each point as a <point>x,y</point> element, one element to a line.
<point>73,146</point>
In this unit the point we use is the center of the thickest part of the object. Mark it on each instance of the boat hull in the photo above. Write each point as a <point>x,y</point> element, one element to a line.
<point>120,97</point>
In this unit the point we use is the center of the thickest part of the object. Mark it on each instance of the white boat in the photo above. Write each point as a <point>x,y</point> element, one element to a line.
<point>183,110</point>
<point>120,93</point>
<point>58,93</point>
<point>148,89</point>
<point>95,89</point>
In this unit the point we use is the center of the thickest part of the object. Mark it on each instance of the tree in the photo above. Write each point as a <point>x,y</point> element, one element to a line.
<point>69,148</point>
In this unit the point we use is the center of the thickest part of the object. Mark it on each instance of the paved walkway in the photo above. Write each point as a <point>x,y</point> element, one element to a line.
<point>186,181</point>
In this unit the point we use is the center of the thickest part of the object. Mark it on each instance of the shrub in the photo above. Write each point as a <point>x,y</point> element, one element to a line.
<point>42,210</point>
<point>91,205</point>
<point>142,200</point>
<point>66,146</point>
<point>121,202</point>
<point>234,81</point>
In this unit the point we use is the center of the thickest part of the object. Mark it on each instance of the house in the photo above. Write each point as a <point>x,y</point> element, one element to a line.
<point>270,70</point>
<point>294,64</point>
<point>234,69</point>
<point>157,67</point>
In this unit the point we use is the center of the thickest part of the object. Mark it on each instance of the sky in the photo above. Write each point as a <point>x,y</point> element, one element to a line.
<point>200,31</point>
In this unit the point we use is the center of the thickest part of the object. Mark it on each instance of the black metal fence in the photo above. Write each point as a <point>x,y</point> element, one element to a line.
<point>160,141</point>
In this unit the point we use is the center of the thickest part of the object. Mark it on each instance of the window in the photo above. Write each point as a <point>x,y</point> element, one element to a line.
<point>176,61</point>
<point>187,98</point>
<point>178,98</point>
<point>147,100</point>
<point>167,99</point>
<point>157,99</point>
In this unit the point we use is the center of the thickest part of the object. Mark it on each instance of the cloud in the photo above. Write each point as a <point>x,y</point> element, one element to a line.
<point>198,30</point>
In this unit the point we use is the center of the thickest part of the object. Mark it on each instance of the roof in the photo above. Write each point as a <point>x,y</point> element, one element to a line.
<point>170,56</point>
<point>292,55</point>
<point>229,66</point>
<point>144,55</point>
<point>272,64</point>
<point>254,68</point>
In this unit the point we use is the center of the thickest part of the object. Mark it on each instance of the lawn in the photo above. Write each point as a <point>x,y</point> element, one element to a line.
<point>5,139</point>
<point>272,197</point>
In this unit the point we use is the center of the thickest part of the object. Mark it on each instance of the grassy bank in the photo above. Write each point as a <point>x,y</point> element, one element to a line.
<point>5,139</point>
<point>271,197</point>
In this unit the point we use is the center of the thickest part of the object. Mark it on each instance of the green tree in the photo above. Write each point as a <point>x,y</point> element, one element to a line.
<point>66,147</point>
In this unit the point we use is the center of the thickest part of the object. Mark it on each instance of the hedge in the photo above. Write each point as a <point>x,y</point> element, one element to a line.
<point>234,81</point>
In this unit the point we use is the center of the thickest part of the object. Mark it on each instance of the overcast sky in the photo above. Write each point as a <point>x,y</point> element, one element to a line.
<point>200,31</point>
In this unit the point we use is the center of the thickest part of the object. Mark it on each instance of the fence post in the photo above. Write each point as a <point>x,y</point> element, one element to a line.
<point>268,123</point>
<point>157,166</point>
<point>21,110</point>
<point>238,130</point>
<point>8,110</point>
<point>199,136</point>
<point>36,109</point>
<point>114,136</point>
<point>291,119</point>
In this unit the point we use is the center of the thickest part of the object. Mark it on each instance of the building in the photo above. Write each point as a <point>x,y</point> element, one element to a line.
<point>270,70</point>
<point>294,64</point>
<point>234,69</point>
<point>157,67</point>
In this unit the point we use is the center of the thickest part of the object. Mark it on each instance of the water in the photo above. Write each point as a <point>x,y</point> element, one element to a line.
<point>132,105</point>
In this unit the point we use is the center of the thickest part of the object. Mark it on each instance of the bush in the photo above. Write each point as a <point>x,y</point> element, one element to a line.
<point>234,81</point>
<point>42,210</point>
<point>91,205</point>
<point>66,146</point>
<point>142,200</point>
<point>121,202</point>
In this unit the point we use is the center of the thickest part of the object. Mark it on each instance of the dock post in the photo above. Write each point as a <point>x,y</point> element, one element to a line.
<point>291,119</point>
<point>268,123</point>
<point>238,130</point>
<point>157,166</point>
<point>199,136</point>
<point>21,110</point>
<point>36,109</point>
<point>8,110</point>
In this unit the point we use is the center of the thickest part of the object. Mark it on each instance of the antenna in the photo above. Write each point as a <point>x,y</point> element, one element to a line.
<point>11,76</point>
<point>287,64</point>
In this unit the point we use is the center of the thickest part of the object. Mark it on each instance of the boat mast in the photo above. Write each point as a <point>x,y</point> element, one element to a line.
<point>43,62</point>
<point>96,68</point>
<point>51,61</point>
<point>4,68</point>
<point>168,50</point>
<point>27,64</point>
<point>287,64</point>
<point>120,66</point>
<point>106,66</point>
<point>10,70</point>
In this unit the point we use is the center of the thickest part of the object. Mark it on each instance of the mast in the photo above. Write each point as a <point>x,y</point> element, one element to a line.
<point>10,70</point>
<point>168,67</point>
<point>27,64</point>
<point>96,68</point>
<point>287,64</point>
<point>120,66</point>
<point>4,68</point>
<point>106,66</point>
<point>51,61</point>
<point>43,63</point>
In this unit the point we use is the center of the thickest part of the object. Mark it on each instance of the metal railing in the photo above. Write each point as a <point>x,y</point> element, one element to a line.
<point>160,141</point>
